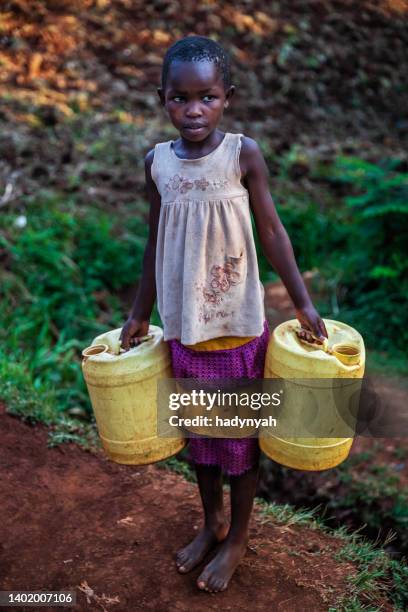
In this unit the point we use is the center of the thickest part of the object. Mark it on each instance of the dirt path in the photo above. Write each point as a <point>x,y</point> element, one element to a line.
<point>72,518</point>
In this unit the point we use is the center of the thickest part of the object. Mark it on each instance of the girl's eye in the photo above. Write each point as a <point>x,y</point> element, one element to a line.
<point>178,98</point>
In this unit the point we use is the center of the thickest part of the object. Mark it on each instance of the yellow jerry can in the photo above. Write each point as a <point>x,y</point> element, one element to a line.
<point>315,383</point>
<point>122,386</point>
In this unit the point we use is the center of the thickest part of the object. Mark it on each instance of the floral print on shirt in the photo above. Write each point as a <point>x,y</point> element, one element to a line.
<point>222,278</point>
<point>183,184</point>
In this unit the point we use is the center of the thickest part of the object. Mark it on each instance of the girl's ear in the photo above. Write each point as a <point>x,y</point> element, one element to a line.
<point>229,95</point>
<point>160,93</point>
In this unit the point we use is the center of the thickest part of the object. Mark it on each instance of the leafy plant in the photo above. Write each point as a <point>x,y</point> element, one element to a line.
<point>57,291</point>
<point>373,263</point>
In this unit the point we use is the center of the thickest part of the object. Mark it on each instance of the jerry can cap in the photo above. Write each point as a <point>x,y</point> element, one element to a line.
<point>95,349</point>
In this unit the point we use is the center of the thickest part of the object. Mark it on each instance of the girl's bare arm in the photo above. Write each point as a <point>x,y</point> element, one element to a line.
<point>137,324</point>
<point>146,293</point>
<point>273,237</point>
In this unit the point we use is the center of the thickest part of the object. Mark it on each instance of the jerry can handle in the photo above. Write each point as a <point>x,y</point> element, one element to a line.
<point>324,346</point>
<point>348,354</point>
<point>141,339</point>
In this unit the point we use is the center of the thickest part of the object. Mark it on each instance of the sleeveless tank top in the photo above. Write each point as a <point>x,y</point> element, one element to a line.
<point>207,276</point>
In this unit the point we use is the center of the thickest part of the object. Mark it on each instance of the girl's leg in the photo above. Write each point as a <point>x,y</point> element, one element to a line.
<point>218,572</point>
<point>215,525</point>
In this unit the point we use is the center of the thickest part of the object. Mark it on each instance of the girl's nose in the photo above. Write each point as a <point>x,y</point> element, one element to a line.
<point>193,109</point>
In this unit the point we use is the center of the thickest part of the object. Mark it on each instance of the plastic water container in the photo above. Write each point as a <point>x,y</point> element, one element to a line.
<point>122,386</point>
<point>331,376</point>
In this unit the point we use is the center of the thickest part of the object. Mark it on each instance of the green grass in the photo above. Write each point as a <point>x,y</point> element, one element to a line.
<point>376,491</point>
<point>178,466</point>
<point>58,294</point>
<point>378,575</point>
<point>288,515</point>
<point>393,363</point>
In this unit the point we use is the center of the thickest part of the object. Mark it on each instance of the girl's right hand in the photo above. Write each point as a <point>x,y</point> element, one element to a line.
<point>132,331</point>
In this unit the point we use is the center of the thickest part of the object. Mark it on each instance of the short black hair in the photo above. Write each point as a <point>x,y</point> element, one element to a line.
<point>196,49</point>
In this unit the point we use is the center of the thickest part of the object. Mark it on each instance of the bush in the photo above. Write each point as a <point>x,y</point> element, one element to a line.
<point>57,285</point>
<point>373,279</point>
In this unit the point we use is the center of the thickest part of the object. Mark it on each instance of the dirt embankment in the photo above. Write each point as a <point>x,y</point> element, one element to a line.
<point>326,75</point>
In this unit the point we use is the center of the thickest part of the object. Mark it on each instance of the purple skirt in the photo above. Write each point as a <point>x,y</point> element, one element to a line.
<point>234,456</point>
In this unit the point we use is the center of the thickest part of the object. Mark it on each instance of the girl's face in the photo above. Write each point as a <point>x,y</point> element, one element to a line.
<point>194,98</point>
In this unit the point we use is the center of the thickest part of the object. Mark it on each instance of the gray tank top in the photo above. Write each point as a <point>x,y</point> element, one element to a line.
<point>207,276</point>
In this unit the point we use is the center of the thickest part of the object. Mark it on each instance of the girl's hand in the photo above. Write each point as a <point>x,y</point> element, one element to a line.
<point>314,329</point>
<point>132,331</point>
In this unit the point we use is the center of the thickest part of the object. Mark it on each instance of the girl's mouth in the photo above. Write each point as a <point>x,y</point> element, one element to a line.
<point>194,129</point>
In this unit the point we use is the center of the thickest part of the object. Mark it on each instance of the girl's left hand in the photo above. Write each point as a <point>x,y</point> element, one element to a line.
<point>314,329</point>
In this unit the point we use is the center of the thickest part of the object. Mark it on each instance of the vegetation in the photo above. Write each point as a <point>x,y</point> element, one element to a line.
<point>356,243</point>
<point>378,494</point>
<point>58,288</point>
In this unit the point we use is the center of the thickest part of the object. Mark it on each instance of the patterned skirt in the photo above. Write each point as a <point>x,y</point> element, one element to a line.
<point>233,456</point>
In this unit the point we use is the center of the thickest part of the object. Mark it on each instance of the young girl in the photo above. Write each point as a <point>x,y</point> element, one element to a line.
<point>200,261</point>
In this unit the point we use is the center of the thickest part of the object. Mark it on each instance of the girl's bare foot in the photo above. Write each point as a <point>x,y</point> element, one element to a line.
<point>218,572</point>
<point>191,555</point>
